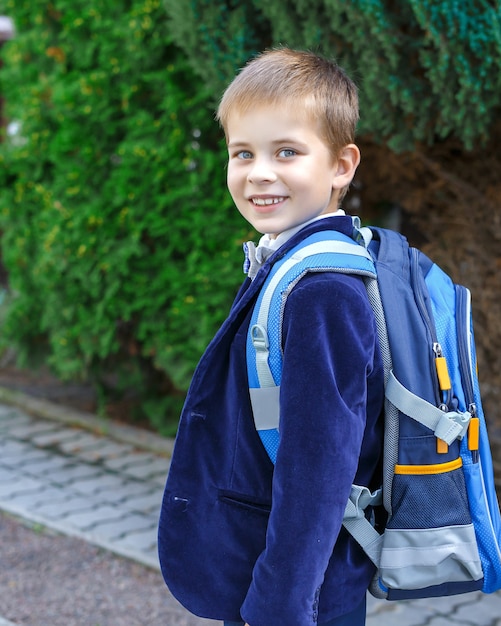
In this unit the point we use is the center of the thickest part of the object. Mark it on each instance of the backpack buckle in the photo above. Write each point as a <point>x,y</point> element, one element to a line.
<point>259,338</point>
<point>453,425</point>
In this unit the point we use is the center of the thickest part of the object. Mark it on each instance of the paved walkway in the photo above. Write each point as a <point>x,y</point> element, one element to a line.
<point>109,491</point>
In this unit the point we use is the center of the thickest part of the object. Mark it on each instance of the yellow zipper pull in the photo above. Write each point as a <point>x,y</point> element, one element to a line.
<point>474,433</point>
<point>444,380</point>
<point>442,447</point>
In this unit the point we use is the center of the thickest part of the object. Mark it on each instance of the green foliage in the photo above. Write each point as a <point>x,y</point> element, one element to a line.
<point>120,239</point>
<point>217,35</point>
<point>427,70</point>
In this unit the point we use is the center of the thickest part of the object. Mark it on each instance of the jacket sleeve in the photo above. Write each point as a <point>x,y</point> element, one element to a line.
<point>328,352</point>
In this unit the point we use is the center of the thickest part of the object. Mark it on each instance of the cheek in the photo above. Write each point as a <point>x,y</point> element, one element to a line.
<point>230,172</point>
<point>233,179</point>
<point>230,183</point>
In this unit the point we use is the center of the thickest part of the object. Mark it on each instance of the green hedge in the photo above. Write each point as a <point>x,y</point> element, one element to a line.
<point>120,240</point>
<point>427,69</point>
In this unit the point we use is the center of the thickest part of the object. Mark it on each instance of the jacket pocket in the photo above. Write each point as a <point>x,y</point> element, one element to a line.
<point>245,502</point>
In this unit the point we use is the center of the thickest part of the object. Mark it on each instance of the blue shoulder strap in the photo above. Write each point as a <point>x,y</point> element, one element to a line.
<point>320,252</point>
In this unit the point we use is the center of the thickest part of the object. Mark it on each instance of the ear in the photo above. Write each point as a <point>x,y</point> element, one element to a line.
<point>346,166</point>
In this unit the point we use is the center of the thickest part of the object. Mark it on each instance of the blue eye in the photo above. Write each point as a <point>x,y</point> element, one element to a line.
<point>287,152</point>
<point>244,154</point>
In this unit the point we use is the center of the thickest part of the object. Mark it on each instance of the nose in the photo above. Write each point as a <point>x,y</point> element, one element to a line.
<point>261,172</point>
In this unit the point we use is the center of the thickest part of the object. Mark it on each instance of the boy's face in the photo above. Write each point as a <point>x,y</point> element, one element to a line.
<point>280,171</point>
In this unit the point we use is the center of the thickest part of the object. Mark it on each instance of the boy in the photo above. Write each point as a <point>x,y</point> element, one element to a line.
<point>242,540</point>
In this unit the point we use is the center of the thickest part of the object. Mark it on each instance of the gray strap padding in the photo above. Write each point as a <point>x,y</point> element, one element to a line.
<point>366,233</point>
<point>358,525</point>
<point>265,403</point>
<point>447,426</point>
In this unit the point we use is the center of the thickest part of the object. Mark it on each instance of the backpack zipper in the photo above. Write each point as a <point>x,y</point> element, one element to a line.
<point>423,309</point>
<point>464,355</point>
<point>462,323</point>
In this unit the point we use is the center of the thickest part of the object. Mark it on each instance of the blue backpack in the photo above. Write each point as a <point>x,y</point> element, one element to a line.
<point>443,530</point>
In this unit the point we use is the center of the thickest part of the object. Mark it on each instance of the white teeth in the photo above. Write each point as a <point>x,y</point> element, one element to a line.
<point>267,201</point>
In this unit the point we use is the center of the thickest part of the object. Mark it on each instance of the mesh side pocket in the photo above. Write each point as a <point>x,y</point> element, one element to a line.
<point>429,500</point>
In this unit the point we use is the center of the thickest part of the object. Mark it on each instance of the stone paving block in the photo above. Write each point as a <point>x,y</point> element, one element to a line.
<point>26,430</point>
<point>397,613</point>
<point>447,620</point>
<point>56,437</point>
<point>112,450</point>
<point>83,442</point>
<point>46,466</point>
<point>95,451</point>
<point>144,541</point>
<point>446,604</point>
<point>49,494</point>
<point>20,459</point>
<point>9,448</point>
<point>6,443</point>
<point>473,609</point>
<point>24,499</point>
<point>99,483</point>
<point>490,605</point>
<point>148,470</point>
<point>113,529</point>
<point>9,416</point>
<point>159,480</point>
<point>449,608</point>
<point>114,484</point>
<point>74,473</point>
<point>99,497</point>
<point>406,618</point>
<point>144,503</point>
<point>122,495</point>
<point>129,489</point>
<point>91,454</point>
<point>134,458</point>
<point>22,484</point>
<point>440,620</point>
<point>7,475</point>
<point>89,519</point>
<point>62,508</point>
<point>117,464</point>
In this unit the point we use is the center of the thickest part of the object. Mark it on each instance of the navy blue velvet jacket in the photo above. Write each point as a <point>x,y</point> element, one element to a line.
<point>239,538</point>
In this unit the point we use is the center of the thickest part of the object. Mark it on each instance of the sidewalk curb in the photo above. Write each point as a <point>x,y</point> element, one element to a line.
<point>122,433</point>
<point>87,536</point>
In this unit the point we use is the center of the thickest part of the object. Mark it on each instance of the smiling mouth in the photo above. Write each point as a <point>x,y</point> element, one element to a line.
<point>267,201</point>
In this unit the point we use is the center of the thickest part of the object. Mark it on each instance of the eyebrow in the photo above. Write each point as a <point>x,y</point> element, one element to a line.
<point>237,144</point>
<point>277,142</point>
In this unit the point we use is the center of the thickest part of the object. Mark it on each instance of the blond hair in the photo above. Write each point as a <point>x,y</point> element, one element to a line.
<point>302,81</point>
